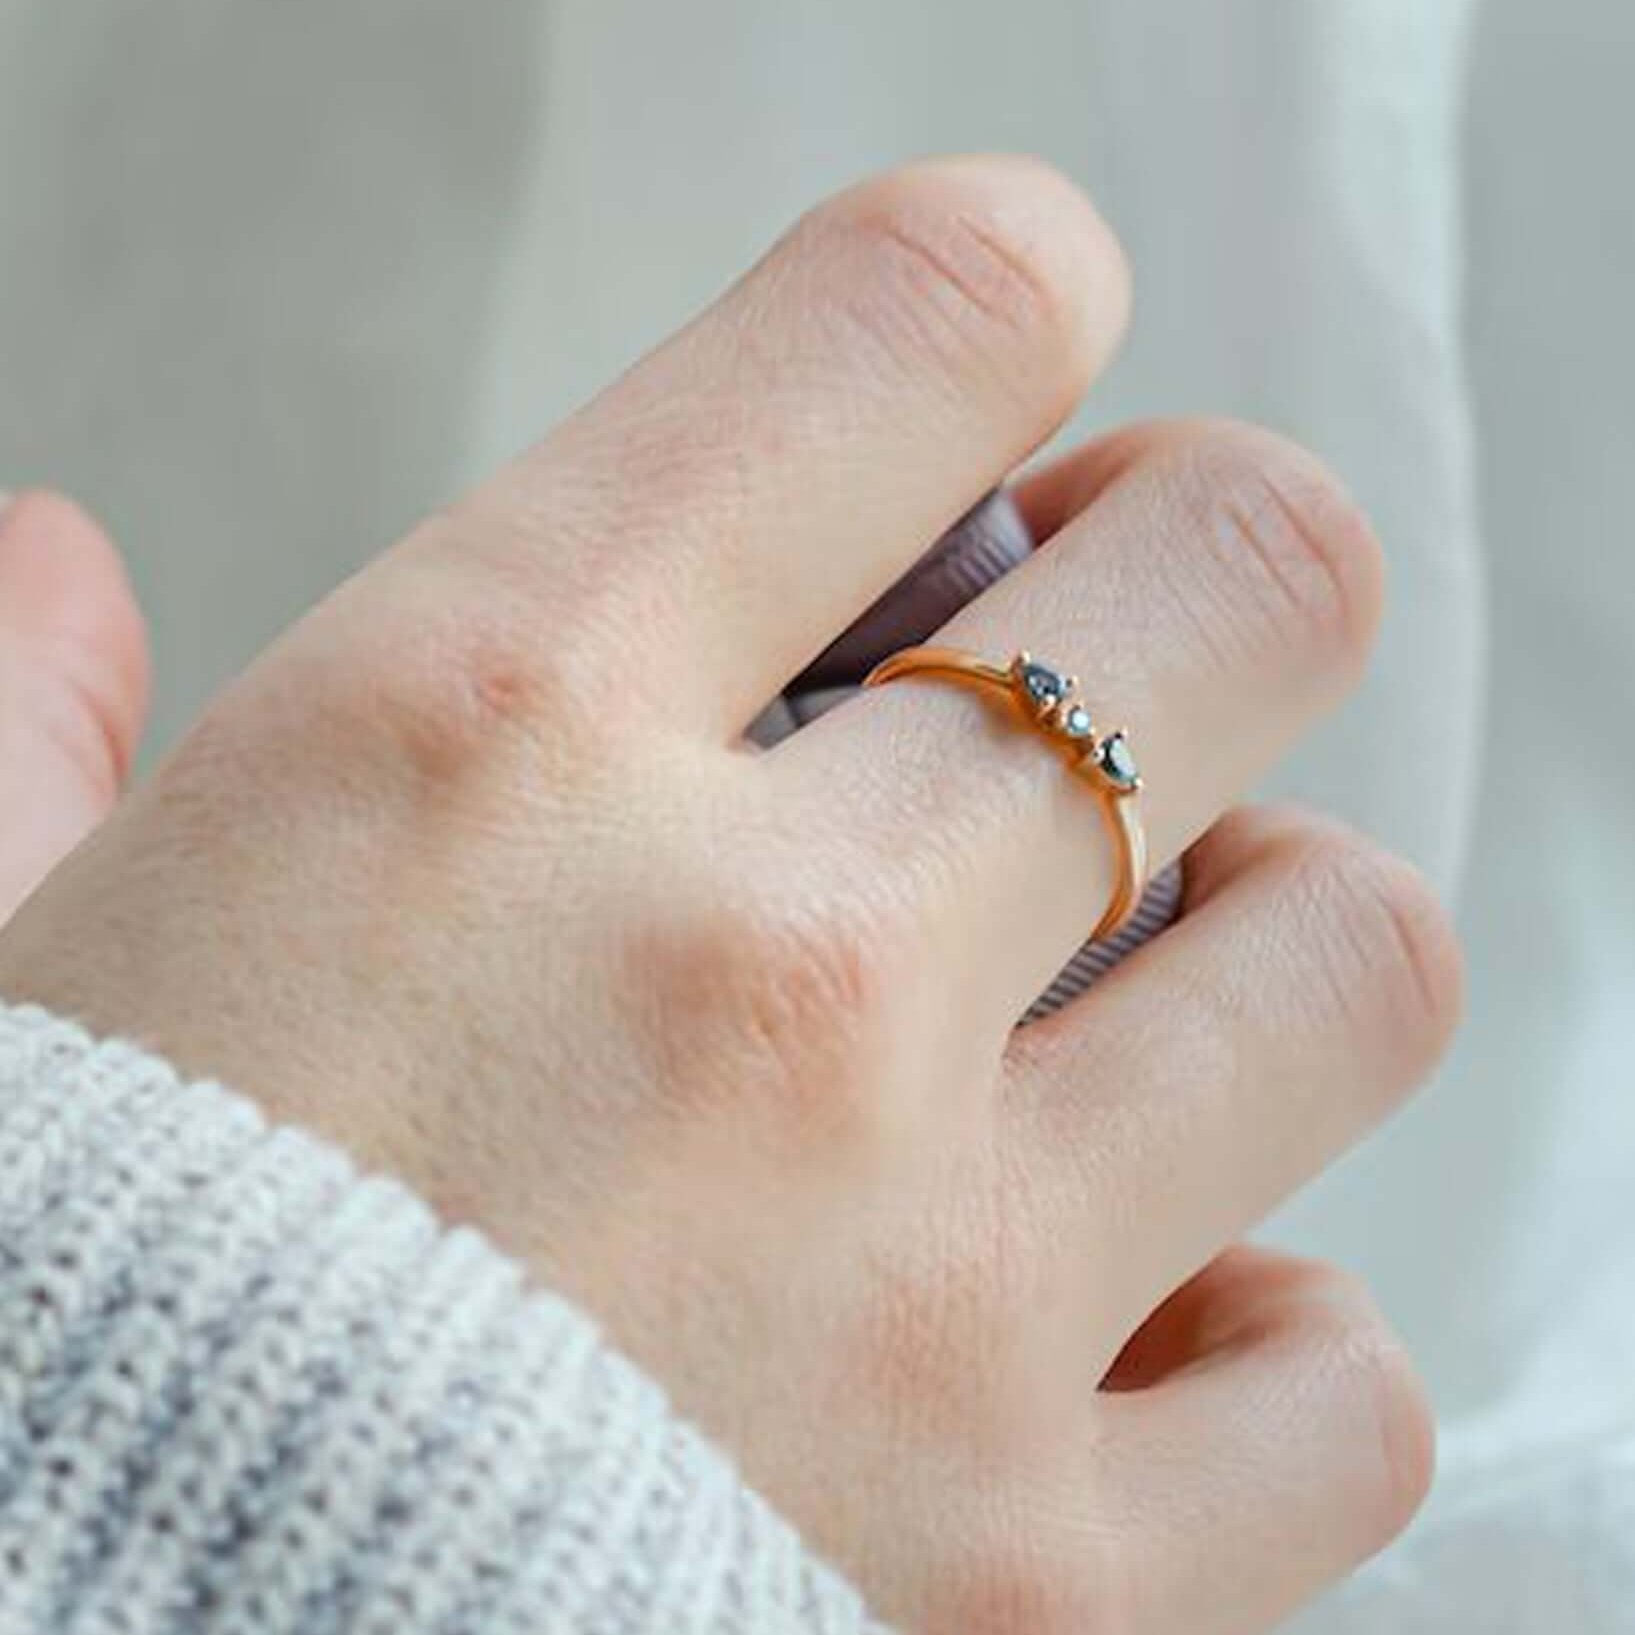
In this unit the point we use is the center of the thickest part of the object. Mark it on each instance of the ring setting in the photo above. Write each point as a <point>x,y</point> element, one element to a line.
<point>1048,699</point>
<point>1053,698</point>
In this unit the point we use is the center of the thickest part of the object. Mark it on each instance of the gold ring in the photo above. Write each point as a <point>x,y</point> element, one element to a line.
<point>1048,700</point>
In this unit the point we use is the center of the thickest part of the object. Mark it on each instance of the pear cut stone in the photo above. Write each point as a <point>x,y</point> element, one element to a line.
<point>1042,684</point>
<point>1117,760</point>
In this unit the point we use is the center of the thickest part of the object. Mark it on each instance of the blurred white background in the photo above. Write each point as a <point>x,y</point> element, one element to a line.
<point>277,279</point>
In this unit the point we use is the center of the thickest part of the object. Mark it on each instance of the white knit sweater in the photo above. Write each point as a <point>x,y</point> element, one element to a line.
<point>242,1389</point>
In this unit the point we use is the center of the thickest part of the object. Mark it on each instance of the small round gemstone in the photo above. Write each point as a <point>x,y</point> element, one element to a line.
<point>1076,722</point>
<point>1042,684</point>
<point>1117,760</point>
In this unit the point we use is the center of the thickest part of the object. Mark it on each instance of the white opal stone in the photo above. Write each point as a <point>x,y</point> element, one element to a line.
<point>1118,761</point>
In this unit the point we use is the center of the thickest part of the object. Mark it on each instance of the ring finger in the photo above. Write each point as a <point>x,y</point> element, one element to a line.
<point>1218,593</point>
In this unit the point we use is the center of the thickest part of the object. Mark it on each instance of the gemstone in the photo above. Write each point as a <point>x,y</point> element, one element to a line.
<point>1076,722</point>
<point>1117,760</point>
<point>1042,684</point>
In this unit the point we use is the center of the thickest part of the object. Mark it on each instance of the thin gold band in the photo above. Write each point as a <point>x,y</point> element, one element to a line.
<point>1049,702</point>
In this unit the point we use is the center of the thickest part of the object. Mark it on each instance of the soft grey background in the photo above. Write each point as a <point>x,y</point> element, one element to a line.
<point>277,278</point>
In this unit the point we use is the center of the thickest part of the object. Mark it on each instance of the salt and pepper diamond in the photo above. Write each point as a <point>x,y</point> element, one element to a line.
<point>1042,684</point>
<point>1053,698</point>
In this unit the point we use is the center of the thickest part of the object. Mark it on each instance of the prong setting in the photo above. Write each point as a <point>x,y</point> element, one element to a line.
<point>1048,700</point>
<point>1051,697</point>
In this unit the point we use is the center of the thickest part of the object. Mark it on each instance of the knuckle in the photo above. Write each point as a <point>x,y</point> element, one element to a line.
<point>1298,561</point>
<point>782,996</point>
<point>87,635</point>
<point>1388,936</point>
<point>73,718</point>
<point>1005,259</point>
<point>1373,1384</point>
<point>446,662</point>
<point>954,250</point>
<point>1407,1435</point>
<point>1312,1285</point>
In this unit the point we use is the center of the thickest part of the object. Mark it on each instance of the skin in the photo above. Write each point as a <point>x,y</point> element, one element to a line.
<point>473,873</point>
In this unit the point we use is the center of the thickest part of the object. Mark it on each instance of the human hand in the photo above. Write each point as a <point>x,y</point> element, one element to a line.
<point>473,873</point>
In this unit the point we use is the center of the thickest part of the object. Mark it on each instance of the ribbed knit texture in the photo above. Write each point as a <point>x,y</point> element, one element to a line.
<point>243,1389</point>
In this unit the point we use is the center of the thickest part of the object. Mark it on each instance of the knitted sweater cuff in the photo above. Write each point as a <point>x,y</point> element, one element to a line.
<point>242,1388</point>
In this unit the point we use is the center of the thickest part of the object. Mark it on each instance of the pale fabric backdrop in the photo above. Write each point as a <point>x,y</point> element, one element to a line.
<point>278,278</point>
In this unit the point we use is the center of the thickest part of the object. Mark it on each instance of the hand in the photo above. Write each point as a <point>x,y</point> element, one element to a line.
<point>73,685</point>
<point>473,872</point>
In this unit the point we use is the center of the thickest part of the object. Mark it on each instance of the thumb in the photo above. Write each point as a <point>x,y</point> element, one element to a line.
<point>73,684</point>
